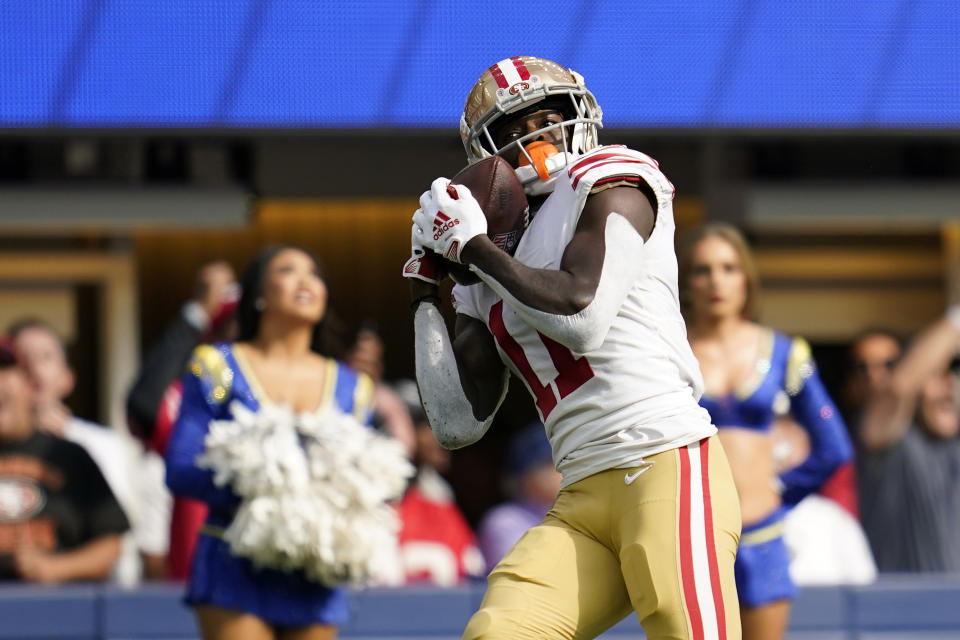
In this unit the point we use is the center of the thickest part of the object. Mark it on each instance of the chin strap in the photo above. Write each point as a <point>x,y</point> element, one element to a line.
<point>586,330</point>
<point>447,407</point>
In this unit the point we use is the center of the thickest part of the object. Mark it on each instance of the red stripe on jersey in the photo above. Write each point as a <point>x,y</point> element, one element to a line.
<point>591,158</point>
<point>686,549</point>
<point>712,542</point>
<point>521,68</point>
<point>623,178</point>
<point>545,400</point>
<point>620,160</point>
<point>497,74</point>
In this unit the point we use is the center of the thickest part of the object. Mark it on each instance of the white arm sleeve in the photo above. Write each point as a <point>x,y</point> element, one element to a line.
<point>586,330</point>
<point>447,407</point>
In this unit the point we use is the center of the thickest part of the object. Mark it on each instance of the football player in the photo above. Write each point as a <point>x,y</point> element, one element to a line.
<point>586,313</point>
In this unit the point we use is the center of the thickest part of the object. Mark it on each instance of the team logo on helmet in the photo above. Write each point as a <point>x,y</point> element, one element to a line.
<point>518,87</point>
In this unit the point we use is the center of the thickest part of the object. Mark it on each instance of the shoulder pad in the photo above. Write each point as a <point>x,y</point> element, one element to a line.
<point>614,165</point>
<point>210,367</point>
<point>800,365</point>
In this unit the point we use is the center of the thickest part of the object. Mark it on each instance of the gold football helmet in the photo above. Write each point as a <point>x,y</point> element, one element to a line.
<point>517,83</point>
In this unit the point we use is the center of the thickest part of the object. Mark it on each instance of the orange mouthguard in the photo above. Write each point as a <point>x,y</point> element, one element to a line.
<point>539,151</point>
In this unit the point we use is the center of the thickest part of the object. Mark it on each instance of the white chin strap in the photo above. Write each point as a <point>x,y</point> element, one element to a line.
<point>447,407</point>
<point>533,184</point>
<point>586,330</point>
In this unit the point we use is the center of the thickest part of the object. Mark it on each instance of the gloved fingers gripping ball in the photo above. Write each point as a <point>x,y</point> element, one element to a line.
<point>426,266</point>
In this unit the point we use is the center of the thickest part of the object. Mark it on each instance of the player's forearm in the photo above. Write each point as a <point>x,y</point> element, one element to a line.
<point>92,561</point>
<point>552,291</point>
<point>620,267</point>
<point>448,409</point>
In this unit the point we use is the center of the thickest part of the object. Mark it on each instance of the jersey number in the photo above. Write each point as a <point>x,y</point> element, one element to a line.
<point>571,372</point>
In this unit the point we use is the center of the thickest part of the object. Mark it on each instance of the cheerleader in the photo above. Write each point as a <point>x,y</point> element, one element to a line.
<point>751,374</point>
<point>275,361</point>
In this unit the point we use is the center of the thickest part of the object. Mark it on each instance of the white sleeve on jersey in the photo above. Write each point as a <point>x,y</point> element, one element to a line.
<point>586,330</point>
<point>447,407</point>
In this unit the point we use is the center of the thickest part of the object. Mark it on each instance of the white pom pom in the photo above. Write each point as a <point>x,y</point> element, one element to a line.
<point>314,491</point>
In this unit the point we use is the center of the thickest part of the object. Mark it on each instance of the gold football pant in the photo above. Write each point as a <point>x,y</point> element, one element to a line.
<point>662,544</point>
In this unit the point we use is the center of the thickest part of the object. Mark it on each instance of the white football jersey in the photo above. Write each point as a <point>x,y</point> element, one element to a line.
<point>634,396</point>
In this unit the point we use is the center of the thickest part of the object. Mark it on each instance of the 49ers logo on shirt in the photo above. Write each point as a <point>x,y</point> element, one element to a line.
<point>443,223</point>
<point>20,499</point>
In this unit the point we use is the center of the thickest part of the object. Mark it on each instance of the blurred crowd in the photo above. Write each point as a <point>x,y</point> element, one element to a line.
<point>84,501</point>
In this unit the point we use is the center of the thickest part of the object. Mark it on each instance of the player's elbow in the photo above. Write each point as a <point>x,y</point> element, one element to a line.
<point>456,434</point>
<point>581,334</point>
<point>578,298</point>
<point>586,341</point>
<point>453,441</point>
<point>585,330</point>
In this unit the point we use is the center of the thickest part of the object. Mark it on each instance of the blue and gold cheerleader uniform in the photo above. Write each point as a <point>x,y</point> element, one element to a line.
<point>218,375</point>
<point>785,375</point>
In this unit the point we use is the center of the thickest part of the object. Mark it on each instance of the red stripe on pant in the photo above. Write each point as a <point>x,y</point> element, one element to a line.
<point>712,541</point>
<point>686,549</point>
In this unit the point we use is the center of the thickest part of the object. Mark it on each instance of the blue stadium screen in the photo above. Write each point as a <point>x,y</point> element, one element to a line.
<point>379,63</point>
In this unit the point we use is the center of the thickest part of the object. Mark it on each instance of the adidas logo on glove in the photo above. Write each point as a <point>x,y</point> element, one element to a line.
<point>443,223</point>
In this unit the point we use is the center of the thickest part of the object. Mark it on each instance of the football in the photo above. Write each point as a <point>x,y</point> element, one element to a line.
<point>500,194</point>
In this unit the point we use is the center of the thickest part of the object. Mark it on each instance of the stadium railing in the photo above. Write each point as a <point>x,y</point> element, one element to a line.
<point>895,607</point>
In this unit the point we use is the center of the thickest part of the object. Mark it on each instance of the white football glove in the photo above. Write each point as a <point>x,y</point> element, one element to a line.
<point>448,217</point>
<point>426,267</point>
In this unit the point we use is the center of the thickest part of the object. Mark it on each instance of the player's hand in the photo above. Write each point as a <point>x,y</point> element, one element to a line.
<point>426,266</point>
<point>422,264</point>
<point>448,217</point>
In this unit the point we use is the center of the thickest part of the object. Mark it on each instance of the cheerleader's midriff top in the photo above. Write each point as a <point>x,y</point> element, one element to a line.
<point>785,380</point>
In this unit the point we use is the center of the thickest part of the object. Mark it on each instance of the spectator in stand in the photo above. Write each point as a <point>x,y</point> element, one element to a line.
<point>390,413</point>
<point>58,519</point>
<point>871,359</point>
<point>207,316</point>
<point>909,467</point>
<point>532,483</point>
<point>437,545</point>
<point>43,356</point>
<point>870,363</point>
<point>153,402</point>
